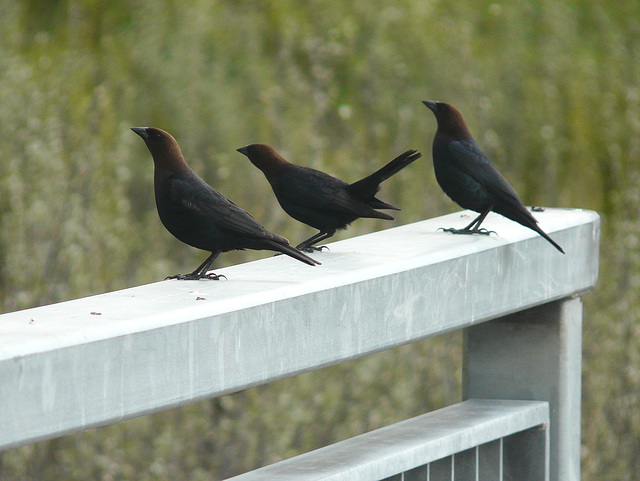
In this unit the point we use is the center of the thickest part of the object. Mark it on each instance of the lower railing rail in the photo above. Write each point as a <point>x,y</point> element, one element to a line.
<point>493,440</point>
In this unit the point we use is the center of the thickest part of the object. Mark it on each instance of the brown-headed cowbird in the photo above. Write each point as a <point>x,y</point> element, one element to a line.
<point>200,216</point>
<point>467,176</point>
<point>320,200</point>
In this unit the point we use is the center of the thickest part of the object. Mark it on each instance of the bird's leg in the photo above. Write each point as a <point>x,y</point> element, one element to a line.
<point>204,267</point>
<point>201,271</point>
<point>307,246</point>
<point>473,227</point>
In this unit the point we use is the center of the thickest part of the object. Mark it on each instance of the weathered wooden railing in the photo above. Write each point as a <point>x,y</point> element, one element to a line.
<point>98,360</point>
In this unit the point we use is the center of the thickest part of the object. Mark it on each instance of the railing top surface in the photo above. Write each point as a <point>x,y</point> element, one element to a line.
<point>351,261</point>
<point>105,358</point>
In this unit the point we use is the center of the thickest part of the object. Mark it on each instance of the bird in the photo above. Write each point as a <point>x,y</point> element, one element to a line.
<point>200,216</point>
<point>468,177</point>
<point>319,199</point>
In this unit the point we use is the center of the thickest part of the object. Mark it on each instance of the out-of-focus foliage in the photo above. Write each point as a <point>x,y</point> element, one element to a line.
<point>550,90</point>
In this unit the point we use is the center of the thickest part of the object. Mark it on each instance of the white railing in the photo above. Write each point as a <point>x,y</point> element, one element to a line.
<point>102,359</point>
<point>475,440</point>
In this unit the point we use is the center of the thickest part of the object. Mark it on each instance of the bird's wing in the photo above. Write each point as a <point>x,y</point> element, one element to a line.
<point>198,199</point>
<point>470,159</point>
<point>316,190</point>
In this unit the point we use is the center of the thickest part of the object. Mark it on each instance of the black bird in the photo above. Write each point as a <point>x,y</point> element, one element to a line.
<point>320,200</point>
<point>200,216</point>
<point>469,178</point>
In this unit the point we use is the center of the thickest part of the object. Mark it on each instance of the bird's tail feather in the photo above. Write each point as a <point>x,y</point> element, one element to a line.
<point>295,253</point>
<point>397,164</point>
<point>546,236</point>
<point>366,188</point>
<point>378,204</point>
<point>524,217</point>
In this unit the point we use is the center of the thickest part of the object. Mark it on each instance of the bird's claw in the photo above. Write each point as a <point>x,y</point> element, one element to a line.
<point>213,277</point>
<point>180,277</point>
<point>311,249</point>
<point>482,231</point>
<point>452,230</point>
<point>537,209</point>
<point>196,277</point>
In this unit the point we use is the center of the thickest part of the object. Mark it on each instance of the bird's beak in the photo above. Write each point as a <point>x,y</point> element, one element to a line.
<point>432,105</point>
<point>242,150</point>
<point>141,131</point>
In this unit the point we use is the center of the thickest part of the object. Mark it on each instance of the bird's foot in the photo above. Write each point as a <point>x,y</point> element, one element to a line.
<point>213,277</point>
<point>195,276</point>
<point>311,249</point>
<point>537,209</point>
<point>468,231</point>
<point>484,231</point>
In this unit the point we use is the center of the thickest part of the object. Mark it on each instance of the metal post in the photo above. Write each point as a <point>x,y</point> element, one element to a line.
<point>534,354</point>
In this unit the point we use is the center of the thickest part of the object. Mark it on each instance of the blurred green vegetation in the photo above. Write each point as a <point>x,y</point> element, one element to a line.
<point>549,89</point>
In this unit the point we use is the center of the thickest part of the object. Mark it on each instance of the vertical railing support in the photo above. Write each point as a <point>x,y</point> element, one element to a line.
<point>533,355</point>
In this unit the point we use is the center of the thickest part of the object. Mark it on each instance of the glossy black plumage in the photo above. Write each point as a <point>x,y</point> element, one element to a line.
<point>469,178</point>
<point>319,199</point>
<point>200,216</point>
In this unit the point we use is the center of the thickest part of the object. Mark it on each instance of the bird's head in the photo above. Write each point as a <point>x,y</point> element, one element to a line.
<point>163,147</point>
<point>263,157</point>
<point>450,120</point>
